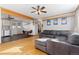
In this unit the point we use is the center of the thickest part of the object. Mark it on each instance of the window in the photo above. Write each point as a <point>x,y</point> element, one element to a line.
<point>48,22</point>
<point>64,20</point>
<point>55,22</point>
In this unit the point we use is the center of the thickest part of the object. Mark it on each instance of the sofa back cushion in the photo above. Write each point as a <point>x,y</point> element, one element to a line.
<point>51,32</point>
<point>55,32</point>
<point>45,31</point>
<point>48,32</point>
<point>58,33</point>
<point>74,39</point>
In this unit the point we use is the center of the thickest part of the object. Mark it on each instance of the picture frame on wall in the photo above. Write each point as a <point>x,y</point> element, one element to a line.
<point>55,22</point>
<point>64,20</point>
<point>48,22</point>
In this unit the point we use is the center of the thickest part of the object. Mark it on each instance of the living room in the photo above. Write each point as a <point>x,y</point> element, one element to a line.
<point>48,28</point>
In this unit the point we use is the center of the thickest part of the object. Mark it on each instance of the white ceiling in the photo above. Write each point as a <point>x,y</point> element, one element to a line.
<point>52,9</point>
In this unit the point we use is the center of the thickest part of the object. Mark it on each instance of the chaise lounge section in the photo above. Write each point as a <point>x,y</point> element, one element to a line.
<point>61,48</point>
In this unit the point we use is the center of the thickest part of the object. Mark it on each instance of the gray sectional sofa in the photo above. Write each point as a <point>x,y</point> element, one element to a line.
<point>67,44</point>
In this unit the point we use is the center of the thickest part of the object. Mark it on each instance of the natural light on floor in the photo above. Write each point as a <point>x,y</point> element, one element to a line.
<point>16,49</point>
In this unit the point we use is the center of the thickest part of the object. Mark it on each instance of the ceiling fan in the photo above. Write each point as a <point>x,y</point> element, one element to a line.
<point>39,10</point>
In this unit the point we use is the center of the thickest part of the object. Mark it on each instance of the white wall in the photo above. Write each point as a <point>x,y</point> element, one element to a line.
<point>31,26</point>
<point>76,29</point>
<point>35,29</point>
<point>26,25</point>
<point>15,29</point>
<point>67,26</point>
<point>0,25</point>
<point>5,23</point>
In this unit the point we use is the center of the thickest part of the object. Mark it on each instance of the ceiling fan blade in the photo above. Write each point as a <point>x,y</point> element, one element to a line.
<point>42,8</point>
<point>33,11</point>
<point>38,13</point>
<point>38,7</point>
<point>34,8</point>
<point>44,11</point>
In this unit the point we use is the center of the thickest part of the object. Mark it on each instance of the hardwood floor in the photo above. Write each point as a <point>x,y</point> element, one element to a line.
<point>23,46</point>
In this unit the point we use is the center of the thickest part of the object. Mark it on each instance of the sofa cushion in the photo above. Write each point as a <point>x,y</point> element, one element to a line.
<point>74,39</point>
<point>74,50</point>
<point>61,38</point>
<point>46,32</point>
<point>55,47</point>
<point>54,33</point>
<point>43,48</point>
<point>51,32</point>
<point>58,33</point>
<point>41,41</point>
<point>65,32</point>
